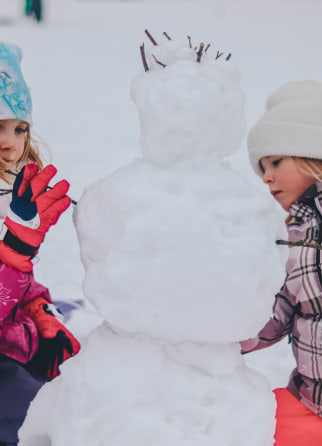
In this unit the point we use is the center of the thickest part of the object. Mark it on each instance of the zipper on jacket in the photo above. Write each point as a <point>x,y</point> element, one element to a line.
<point>318,257</point>
<point>318,252</point>
<point>14,312</point>
<point>26,290</point>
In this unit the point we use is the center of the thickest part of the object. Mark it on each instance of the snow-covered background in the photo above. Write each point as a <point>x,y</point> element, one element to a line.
<point>79,64</point>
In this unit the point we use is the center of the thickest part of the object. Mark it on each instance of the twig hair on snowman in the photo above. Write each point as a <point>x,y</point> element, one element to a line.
<point>178,97</point>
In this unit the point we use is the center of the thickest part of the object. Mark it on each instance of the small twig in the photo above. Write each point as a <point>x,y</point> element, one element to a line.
<point>8,171</point>
<point>145,64</point>
<point>150,37</point>
<point>228,57</point>
<point>5,191</point>
<point>218,55</point>
<point>73,201</point>
<point>299,243</point>
<point>189,38</point>
<point>15,174</point>
<point>207,47</point>
<point>167,35</point>
<point>199,54</point>
<point>195,48</point>
<point>157,61</point>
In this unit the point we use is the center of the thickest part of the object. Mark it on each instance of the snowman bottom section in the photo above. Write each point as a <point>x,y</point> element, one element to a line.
<point>124,389</point>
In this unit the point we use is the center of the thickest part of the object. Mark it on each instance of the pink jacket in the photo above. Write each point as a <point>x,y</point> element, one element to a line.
<point>18,333</point>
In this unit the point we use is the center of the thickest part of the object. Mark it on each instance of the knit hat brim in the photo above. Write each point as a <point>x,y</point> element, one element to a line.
<point>283,138</point>
<point>291,124</point>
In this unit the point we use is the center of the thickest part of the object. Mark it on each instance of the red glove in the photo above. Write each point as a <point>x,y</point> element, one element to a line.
<point>33,210</point>
<point>56,343</point>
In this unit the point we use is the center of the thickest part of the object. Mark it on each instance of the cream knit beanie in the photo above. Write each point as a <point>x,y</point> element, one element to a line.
<point>291,125</point>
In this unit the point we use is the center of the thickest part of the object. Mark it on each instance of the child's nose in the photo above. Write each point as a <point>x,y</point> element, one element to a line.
<point>268,177</point>
<point>6,141</point>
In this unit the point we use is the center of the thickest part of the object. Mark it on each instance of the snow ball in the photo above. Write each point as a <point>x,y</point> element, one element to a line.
<point>123,390</point>
<point>188,110</point>
<point>180,253</point>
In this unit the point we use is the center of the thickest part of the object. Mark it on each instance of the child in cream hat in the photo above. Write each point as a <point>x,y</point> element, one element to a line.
<point>285,150</point>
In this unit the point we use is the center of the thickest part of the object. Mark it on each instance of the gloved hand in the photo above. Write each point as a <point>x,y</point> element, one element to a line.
<point>33,210</point>
<point>56,342</point>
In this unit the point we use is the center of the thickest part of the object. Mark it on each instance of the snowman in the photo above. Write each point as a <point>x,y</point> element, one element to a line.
<point>176,248</point>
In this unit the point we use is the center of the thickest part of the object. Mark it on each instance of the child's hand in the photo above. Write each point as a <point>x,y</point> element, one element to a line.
<point>33,210</point>
<point>56,343</point>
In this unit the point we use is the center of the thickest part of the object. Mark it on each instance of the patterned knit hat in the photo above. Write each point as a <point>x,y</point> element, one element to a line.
<point>15,100</point>
<point>291,125</point>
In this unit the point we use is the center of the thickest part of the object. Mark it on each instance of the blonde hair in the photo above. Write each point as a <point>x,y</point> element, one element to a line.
<point>31,153</point>
<point>310,166</point>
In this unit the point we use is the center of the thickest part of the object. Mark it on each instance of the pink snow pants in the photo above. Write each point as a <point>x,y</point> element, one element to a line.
<point>296,425</point>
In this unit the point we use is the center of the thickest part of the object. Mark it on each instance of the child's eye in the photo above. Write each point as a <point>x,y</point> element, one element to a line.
<point>275,163</point>
<point>20,130</point>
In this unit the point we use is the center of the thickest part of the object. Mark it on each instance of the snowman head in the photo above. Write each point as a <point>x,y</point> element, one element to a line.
<point>190,103</point>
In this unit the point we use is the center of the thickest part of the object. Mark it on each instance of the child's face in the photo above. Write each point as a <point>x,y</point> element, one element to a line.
<point>12,141</point>
<point>285,179</point>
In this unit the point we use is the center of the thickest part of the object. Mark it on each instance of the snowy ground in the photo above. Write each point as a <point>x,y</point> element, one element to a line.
<point>79,64</point>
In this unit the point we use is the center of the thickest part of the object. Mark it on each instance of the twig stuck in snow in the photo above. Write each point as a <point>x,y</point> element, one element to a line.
<point>6,191</point>
<point>150,37</point>
<point>199,54</point>
<point>145,64</point>
<point>199,51</point>
<point>299,243</point>
<point>8,171</point>
<point>157,61</point>
<point>167,36</point>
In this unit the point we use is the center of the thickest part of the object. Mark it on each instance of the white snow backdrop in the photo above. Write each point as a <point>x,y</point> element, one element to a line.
<point>79,64</point>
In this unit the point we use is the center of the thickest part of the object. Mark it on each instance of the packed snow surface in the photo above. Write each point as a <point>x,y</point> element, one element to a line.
<point>122,390</point>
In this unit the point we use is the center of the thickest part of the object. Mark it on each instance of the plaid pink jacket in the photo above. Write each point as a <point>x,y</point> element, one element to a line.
<point>297,310</point>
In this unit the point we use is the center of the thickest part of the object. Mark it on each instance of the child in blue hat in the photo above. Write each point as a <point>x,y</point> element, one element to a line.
<point>33,341</point>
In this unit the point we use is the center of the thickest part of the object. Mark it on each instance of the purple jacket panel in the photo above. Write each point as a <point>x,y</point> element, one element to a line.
<point>18,332</point>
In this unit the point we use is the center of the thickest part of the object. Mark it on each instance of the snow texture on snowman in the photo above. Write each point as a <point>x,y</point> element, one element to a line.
<point>180,261</point>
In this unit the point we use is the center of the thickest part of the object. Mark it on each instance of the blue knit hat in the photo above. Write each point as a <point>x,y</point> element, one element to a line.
<point>15,100</point>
